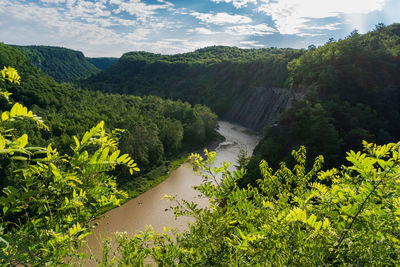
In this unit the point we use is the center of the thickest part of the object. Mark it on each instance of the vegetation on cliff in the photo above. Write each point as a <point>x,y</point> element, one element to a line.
<point>213,76</point>
<point>352,89</point>
<point>64,65</point>
<point>102,63</point>
<point>296,215</point>
<point>156,130</point>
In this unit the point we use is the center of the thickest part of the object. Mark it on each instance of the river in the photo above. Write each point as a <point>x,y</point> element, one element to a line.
<point>150,209</point>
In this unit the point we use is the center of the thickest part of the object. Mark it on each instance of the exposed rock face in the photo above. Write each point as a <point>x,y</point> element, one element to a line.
<point>260,107</point>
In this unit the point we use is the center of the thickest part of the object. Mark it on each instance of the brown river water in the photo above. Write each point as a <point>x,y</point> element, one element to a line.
<point>150,209</point>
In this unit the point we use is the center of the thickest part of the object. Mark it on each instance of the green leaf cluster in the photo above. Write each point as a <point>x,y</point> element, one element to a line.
<point>156,131</point>
<point>297,216</point>
<point>49,209</point>
<point>351,90</point>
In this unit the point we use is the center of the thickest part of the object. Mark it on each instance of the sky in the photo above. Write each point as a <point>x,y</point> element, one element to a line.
<point>109,28</point>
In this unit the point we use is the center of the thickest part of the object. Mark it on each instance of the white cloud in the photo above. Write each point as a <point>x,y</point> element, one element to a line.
<point>259,29</point>
<point>295,16</point>
<point>251,44</point>
<point>111,27</point>
<point>124,22</point>
<point>327,27</point>
<point>80,25</point>
<point>166,3</point>
<point>53,1</point>
<point>221,18</point>
<point>175,40</point>
<point>191,45</point>
<point>84,9</point>
<point>237,30</point>
<point>139,9</point>
<point>237,3</point>
<point>201,30</point>
<point>139,34</point>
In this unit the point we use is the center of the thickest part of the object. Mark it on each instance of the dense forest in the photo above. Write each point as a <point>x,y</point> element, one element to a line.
<point>102,63</point>
<point>156,130</point>
<point>322,188</point>
<point>64,65</point>
<point>352,89</point>
<point>213,76</point>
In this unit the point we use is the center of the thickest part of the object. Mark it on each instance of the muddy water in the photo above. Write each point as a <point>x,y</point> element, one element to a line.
<point>149,209</point>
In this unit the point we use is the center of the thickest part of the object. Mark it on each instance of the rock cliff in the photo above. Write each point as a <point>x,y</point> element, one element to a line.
<point>259,107</point>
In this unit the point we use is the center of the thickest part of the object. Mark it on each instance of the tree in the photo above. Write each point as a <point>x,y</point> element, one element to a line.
<point>311,47</point>
<point>242,159</point>
<point>380,26</point>
<point>331,40</point>
<point>353,34</point>
<point>293,217</point>
<point>46,214</point>
<point>171,135</point>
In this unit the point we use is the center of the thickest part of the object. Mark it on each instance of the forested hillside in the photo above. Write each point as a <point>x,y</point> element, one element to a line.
<point>64,65</point>
<point>303,213</point>
<point>156,130</point>
<point>102,63</point>
<point>294,216</point>
<point>219,77</point>
<point>353,94</point>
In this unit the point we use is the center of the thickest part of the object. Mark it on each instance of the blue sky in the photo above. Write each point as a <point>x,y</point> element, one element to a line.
<point>113,27</point>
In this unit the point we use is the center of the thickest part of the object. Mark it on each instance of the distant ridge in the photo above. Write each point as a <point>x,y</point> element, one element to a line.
<point>102,63</point>
<point>63,64</point>
<point>224,78</point>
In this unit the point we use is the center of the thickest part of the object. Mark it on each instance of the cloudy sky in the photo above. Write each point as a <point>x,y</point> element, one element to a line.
<point>112,27</point>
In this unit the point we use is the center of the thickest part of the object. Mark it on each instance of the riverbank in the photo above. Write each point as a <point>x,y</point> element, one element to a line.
<point>143,183</point>
<point>149,209</point>
<point>154,177</point>
<point>158,175</point>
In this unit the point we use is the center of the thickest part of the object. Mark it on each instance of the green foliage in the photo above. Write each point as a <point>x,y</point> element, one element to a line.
<point>213,76</point>
<point>311,125</point>
<point>102,63</point>
<point>242,159</point>
<point>360,62</point>
<point>293,217</point>
<point>46,213</point>
<point>157,175</point>
<point>351,94</point>
<point>64,65</point>
<point>156,130</point>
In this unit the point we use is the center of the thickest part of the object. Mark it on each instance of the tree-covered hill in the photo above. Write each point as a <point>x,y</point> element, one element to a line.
<point>64,65</point>
<point>353,94</point>
<point>215,76</point>
<point>102,63</point>
<point>156,130</point>
<point>296,215</point>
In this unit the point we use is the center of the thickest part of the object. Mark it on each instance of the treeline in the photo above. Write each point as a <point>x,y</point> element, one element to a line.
<point>156,130</point>
<point>212,76</point>
<point>352,89</point>
<point>295,216</point>
<point>102,63</point>
<point>64,65</point>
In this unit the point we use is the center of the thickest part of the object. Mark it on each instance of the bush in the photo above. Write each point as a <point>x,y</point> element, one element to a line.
<point>293,217</point>
<point>47,211</point>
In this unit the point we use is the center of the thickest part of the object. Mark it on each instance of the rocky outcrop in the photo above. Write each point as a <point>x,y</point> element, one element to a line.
<point>259,107</point>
